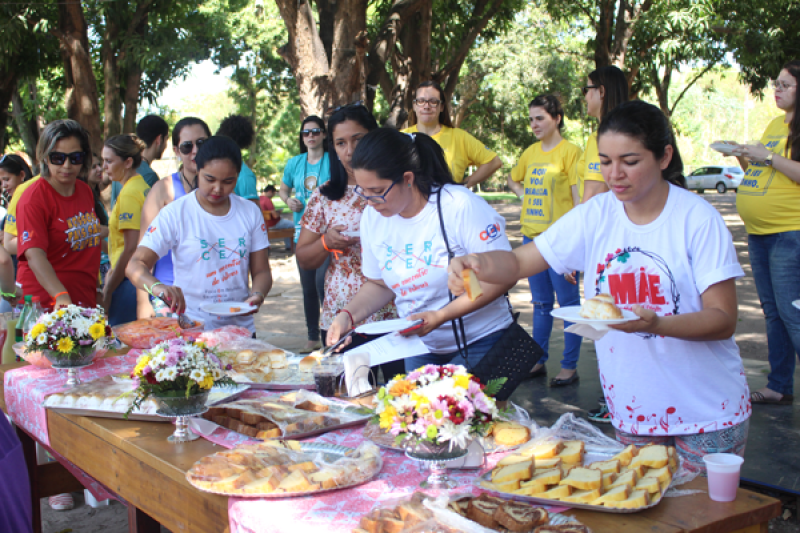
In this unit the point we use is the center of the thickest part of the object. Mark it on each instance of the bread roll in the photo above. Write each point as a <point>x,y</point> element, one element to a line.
<point>307,363</point>
<point>601,307</point>
<point>245,357</point>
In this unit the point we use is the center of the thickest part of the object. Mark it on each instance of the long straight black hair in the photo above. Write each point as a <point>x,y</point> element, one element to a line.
<point>615,84</point>
<point>647,124</point>
<point>793,143</point>
<point>390,154</point>
<point>335,188</point>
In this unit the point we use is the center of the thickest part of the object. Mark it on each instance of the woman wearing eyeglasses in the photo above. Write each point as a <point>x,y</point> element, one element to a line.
<point>431,115</point>
<point>768,200</point>
<point>332,221</point>
<point>607,88</point>
<point>187,137</point>
<point>542,179</point>
<point>59,234</point>
<point>122,155</point>
<point>304,173</point>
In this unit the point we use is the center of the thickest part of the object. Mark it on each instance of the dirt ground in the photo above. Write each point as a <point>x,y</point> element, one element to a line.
<point>281,322</point>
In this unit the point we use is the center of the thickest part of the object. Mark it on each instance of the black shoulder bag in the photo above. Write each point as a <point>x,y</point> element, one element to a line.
<point>513,355</point>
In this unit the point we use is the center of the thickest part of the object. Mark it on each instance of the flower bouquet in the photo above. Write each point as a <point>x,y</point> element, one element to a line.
<point>435,411</point>
<point>69,337</point>
<point>178,374</point>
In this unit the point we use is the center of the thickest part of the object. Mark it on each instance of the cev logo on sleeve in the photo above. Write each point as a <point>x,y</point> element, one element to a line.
<point>11,218</point>
<point>125,216</point>
<point>491,232</point>
<point>594,167</point>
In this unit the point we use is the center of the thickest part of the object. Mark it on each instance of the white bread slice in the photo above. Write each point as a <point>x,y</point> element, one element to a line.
<point>531,490</point>
<point>606,467</point>
<point>655,497</point>
<point>583,479</point>
<point>608,479</point>
<point>508,486</point>
<point>650,484</point>
<point>511,436</point>
<point>638,498</point>
<point>626,456</point>
<point>544,477</point>
<point>556,493</point>
<point>544,450</point>
<point>628,477</point>
<point>471,284</point>
<point>518,471</point>
<point>662,474</point>
<point>261,486</point>
<point>573,452</point>
<point>622,492</point>
<point>514,458</point>
<point>546,464</point>
<point>325,478</point>
<point>653,456</point>
<point>583,496</point>
<point>295,482</point>
<point>638,468</point>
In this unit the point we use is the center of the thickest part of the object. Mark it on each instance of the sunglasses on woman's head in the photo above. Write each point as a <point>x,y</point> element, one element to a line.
<point>58,158</point>
<point>186,146</point>
<point>314,132</point>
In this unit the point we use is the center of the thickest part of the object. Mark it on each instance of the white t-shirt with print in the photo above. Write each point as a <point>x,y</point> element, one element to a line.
<point>410,256</point>
<point>657,385</point>
<point>210,254</point>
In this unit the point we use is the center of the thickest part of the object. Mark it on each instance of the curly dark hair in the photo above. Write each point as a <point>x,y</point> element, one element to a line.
<point>239,128</point>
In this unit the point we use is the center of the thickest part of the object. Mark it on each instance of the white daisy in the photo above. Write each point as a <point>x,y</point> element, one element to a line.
<point>197,375</point>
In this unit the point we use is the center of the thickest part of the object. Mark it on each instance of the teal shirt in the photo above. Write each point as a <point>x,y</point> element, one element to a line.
<point>246,184</point>
<point>294,176</point>
<point>144,170</point>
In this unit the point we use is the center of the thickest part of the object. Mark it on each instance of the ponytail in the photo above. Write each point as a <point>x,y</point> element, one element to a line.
<point>390,154</point>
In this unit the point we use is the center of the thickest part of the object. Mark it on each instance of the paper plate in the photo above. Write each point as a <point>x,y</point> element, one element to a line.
<point>224,308</point>
<point>723,148</point>
<point>570,314</point>
<point>386,326</point>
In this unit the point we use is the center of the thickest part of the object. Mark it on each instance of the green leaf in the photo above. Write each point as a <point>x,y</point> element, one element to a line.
<point>494,386</point>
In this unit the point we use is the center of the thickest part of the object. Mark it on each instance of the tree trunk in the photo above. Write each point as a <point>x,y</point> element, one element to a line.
<point>602,40</point>
<point>132,84</point>
<point>113,100</point>
<point>28,130</point>
<point>82,97</point>
<point>8,87</point>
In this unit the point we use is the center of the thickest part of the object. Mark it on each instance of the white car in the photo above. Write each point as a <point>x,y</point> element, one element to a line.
<point>719,178</point>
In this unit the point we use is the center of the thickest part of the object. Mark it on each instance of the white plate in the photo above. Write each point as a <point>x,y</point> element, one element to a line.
<point>386,326</point>
<point>723,148</point>
<point>570,314</point>
<point>796,303</point>
<point>224,308</point>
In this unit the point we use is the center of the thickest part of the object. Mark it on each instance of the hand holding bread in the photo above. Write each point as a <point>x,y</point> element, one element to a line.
<point>456,281</point>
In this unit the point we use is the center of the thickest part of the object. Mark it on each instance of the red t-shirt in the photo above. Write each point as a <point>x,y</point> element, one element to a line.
<point>68,231</point>
<point>267,205</point>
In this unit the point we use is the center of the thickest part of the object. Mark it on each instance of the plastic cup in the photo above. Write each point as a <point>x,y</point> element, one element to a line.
<point>326,377</point>
<point>723,475</point>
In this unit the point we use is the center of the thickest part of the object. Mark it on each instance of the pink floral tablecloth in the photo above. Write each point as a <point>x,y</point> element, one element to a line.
<point>25,391</point>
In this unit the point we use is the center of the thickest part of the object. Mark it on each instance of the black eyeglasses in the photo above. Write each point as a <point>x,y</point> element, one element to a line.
<point>586,89</point>
<point>422,102</point>
<point>313,132</point>
<point>379,199</point>
<point>187,146</point>
<point>58,158</point>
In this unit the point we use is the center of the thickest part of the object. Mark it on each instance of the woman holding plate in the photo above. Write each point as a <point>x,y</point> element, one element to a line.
<point>218,241</point>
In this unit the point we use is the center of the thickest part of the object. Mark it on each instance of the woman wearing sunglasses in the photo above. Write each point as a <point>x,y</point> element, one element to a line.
<point>59,234</point>
<point>332,221</point>
<point>430,115</point>
<point>122,155</point>
<point>305,173</point>
<point>188,136</point>
<point>768,200</point>
<point>607,88</point>
<point>404,252</point>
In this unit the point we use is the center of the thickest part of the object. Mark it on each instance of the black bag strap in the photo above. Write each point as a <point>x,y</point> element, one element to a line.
<point>462,347</point>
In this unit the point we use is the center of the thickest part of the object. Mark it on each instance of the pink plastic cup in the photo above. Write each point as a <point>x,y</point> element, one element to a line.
<point>723,475</point>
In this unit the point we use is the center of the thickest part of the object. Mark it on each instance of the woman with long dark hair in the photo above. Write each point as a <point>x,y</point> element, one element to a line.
<point>606,89</point>
<point>332,221</point>
<point>430,114</point>
<point>405,255</point>
<point>13,171</point>
<point>304,174</point>
<point>673,376</point>
<point>768,200</point>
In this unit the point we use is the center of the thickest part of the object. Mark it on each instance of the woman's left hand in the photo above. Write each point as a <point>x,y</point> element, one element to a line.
<point>757,153</point>
<point>430,321</point>
<point>255,300</point>
<point>647,323</point>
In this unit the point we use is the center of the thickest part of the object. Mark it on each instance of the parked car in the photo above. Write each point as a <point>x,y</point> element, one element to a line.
<point>719,178</point>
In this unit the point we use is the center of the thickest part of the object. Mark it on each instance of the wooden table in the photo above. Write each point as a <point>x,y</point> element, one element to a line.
<point>135,460</point>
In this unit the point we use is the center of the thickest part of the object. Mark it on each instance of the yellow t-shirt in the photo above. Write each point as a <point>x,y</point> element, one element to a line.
<point>127,214</point>
<point>546,177</point>
<point>767,200</point>
<point>460,149</point>
<point>588,168</point>
<point>11,218</point>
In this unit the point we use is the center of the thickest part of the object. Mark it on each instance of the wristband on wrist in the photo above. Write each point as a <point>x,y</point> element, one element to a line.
<point>336,253</point>
<point>59,294</point>
<point>9,295</point>
<point>150,289</point>
<point>350,315</point>
<point>253,293</point>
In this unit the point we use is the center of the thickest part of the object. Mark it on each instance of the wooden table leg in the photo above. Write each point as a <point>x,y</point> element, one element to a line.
<point>141,522</point>
<point>29,451</point>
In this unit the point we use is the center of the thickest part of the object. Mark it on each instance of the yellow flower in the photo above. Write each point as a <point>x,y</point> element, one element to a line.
<point>419,400</point>
<point>401,387</point>
<point>65,345</point>
<point>207,383</point>
<point>97,331</point>
<point>60,314</point>
<point>462,381</point>
<point>37,330</point>
<point>387,417</point>
<point>143,360</point>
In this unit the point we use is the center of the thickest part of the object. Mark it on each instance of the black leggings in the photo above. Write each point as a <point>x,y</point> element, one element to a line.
<point>313,283</point>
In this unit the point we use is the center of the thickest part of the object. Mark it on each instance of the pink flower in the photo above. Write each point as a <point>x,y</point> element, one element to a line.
<point>467,408</point>
<point>147,370</point>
